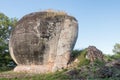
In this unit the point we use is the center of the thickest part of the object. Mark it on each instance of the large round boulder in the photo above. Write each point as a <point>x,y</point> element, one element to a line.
<point>42,41</point>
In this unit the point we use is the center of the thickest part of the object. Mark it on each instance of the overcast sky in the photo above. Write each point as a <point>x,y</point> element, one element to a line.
<point>99,20</point>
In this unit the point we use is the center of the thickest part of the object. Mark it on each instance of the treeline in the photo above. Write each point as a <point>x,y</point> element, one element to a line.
<point>6,26</point>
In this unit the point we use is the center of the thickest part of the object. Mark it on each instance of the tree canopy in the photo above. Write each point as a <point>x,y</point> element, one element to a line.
<point>116,48</point>
<point>6,25</point>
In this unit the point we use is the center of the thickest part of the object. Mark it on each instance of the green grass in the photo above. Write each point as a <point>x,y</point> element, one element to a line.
<point>81,56</point>
<point>82,59</point>
<point>59,75</point>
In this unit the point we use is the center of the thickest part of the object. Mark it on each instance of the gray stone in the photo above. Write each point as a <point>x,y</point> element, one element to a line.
<point>42,41</point>
<point>94,54</point>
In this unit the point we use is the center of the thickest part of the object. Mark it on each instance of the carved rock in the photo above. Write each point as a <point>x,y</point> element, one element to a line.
<point>42,41</point>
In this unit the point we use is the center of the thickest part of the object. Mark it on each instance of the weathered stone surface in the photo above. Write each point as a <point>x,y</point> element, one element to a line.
<point>42,41</point>
<point>115,63</point>
<point>94,54</point>
<point>111,69</point>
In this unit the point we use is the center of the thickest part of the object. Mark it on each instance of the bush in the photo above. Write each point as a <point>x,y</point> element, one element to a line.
<point>82,58</point>
<point>76,53</point>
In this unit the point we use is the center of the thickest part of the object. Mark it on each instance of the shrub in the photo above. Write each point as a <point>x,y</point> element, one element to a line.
<point>82,58</point>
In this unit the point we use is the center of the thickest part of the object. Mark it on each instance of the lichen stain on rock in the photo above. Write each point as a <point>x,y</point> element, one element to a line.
<point>43,39</point>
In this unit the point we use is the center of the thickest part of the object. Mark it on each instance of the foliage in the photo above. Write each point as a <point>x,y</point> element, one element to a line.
<point>6,25</point>
<point>115,56</point>
<point>76,53</point>
<point>108,58</point>
<point>82,58</point>
<point>99,63</point>
<point>116,48</point>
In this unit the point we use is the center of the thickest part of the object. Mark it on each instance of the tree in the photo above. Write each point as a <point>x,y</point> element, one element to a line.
<point>116,48</point>
<point>6,25</point>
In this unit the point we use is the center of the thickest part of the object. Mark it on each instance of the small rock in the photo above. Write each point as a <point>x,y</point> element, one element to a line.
<point>94,54</point>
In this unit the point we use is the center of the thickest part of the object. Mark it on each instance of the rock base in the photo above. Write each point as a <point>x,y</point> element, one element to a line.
<point>33,68</point>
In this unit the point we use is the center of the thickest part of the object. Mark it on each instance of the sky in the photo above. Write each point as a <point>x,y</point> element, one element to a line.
<point>99,20</point>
